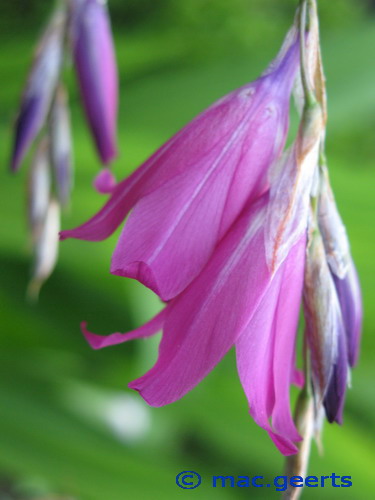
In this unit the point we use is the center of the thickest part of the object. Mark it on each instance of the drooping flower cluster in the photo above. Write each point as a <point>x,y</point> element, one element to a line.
<point>81,30</point>
<point>231,231</point>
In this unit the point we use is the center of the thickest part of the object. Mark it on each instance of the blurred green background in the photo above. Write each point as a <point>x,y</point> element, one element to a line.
<point>69,427</point>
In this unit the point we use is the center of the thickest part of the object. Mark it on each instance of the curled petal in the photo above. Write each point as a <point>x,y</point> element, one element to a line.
<point>146,330</point>
<point>40,88</point>
<point>95,64</point>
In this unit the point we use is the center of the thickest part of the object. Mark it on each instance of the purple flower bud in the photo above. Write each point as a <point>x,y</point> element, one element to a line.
<point>40,88</point>
<point>335,395</point>
<point>349,293</point>
<point>61,146</point>
<point>96,69</point>
<point>342,267</point>
<point>324,324</point>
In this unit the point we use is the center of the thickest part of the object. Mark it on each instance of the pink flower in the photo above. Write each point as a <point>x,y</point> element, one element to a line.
<point>188,194</point>
<point>235,300</point>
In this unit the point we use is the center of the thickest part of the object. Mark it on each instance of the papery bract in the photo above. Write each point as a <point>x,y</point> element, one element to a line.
<point>45,249</point>
<point>187,195</point>
<point>291,187</point>
<point>61,146</point>
<point>333,231</point>
<point>39,188</point>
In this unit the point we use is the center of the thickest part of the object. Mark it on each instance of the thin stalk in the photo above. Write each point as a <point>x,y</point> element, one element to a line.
<point>310,99</point>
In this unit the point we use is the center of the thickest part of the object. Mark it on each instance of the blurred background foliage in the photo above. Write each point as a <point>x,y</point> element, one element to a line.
<point>69,427</point>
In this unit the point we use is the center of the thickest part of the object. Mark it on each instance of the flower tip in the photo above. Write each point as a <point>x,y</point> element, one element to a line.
<point>105,182</point>
<point>142,272</point>
<point>33,291</point>
<point>14,164</point>
<point>94,341</point>
<point>135,387</point>
<point>109,155</point>
<point>63,235</point>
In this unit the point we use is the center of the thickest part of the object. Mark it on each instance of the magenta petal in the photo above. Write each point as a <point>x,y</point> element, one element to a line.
<point>285,446</point>
<point>298,378</point>
<point>95,64</point>
<point>213,166</point>
<point>286,323</point>
<point>146,330</point>
<point>105,182</point>
<point>206,319</point>
<point>266,352</point>
<point>166,235</point>
<point>168,228</point>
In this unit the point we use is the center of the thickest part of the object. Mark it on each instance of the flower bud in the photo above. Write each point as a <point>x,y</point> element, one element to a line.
<point>323,318</point>
<point>40,88</point>
<point>95,64</point>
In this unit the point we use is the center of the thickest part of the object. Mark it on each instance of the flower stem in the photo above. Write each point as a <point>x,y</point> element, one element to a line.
<point>310,99</point>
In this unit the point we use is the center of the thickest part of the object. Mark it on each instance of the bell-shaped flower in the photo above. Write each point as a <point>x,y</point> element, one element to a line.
<point>187,195</point>
<point>235,300</point>
<point>61,146</point>
<point>95,64</point>
<point>40,88</point>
